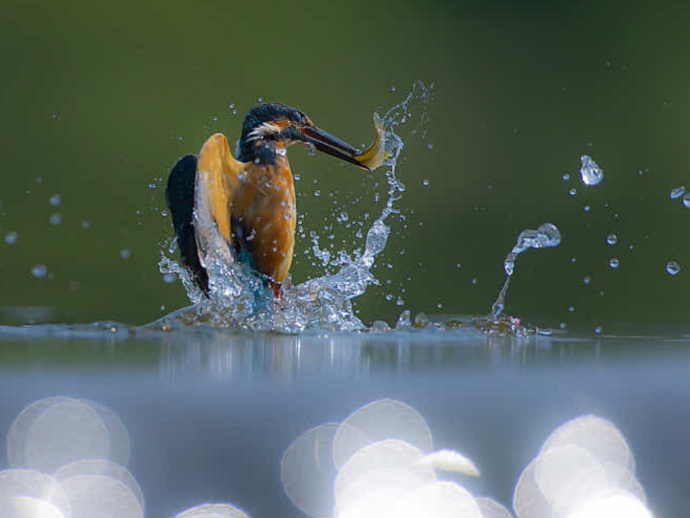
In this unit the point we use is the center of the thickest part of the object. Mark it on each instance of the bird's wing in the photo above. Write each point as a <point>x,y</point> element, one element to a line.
<point>216,180</point>
<point>179,196</point>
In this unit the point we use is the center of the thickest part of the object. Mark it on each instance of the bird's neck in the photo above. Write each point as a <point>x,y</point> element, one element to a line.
<point>262,152</point>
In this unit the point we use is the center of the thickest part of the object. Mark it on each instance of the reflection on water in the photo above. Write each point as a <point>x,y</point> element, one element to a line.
<point>202,406</point>
<point>379,462</point>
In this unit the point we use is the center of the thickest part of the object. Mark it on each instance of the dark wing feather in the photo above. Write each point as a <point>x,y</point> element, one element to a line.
<point>179,196</point>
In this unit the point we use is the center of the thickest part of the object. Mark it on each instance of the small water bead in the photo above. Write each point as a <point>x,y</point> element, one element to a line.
<point>85,224</point>
<point>11,238</point>
<point>587,279</point>
<point>591,173</point>
<point>572,191</point>
<point>55,200</point>
<point>672,268</point>
<point>317,193</point>
<point>40,271</point>
<point>169,278</point>
<point>55,219</point>
<point>614,262</point>
<point>586,208</point>
<point>598,330</point>
<point>425,182</point>
<point>421,320</point>
<point>612,239</point>
<point>677,192</point>
<point>566,177</point>
<point>404,320</point>
<point>686,201</point>
<point>379,326</point>
<point>571,309</point>
<point>125,253</point>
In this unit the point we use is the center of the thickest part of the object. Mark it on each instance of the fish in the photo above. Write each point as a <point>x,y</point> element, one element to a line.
<point>374,156</point>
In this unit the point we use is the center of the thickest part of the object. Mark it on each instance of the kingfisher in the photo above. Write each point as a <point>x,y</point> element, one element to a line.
<point>244,208</point>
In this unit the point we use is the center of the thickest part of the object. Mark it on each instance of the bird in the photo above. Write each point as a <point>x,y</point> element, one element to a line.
<point>244,208</point>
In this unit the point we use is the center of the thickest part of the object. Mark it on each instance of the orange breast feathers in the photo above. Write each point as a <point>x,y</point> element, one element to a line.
<point>255,210</point>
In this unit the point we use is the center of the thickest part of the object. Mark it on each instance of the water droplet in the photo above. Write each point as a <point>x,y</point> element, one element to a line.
<point>563,325</point>
<point>566,177</point>
<point>317,193</point>
<point>11,238</point>
<point>591,173</point>
<point>572,191</point>
<point>421,320</point>
<point>404,320</point>
<point>425,182</point>
<point>474,281</point>
<point>430,146</point>
<point>379,326</point>
<point>612,239</point>
<point>686,201</point>
<point>39,271</point>
<point>457,265</point>
<point>672,268</point>
<point>587,279</point>
<point>342,217</point>
<point>55,200</point>
<point>614,262</point>
<point>125,253</point>
<point>571,308</point>
<point>297,177</point>
<point>586,208</point>
<point>169,278</point>
<point>677,192</point>
<point>55,219</point>
<point>598,330</point>
<point>85,224</point>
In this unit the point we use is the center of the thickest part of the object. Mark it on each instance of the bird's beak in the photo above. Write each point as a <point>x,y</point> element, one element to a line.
<point>331,145</point>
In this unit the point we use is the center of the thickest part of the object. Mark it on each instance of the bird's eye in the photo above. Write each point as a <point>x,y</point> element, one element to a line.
<point>298,117</point>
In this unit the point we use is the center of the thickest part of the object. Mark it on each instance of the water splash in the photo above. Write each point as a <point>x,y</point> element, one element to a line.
<point>546,236</point>
<point>239,298</point>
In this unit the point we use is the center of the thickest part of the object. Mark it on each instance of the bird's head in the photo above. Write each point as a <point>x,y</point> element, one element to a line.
<point>270,126</point>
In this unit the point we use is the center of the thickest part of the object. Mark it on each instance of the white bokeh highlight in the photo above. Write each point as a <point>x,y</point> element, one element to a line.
<point>584,468</point>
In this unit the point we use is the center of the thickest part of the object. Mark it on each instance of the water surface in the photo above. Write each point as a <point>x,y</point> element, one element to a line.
<point>210,413</point>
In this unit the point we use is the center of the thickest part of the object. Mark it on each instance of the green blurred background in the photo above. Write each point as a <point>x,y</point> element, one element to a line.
<point>100,99</point>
